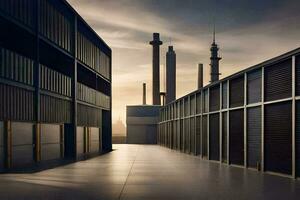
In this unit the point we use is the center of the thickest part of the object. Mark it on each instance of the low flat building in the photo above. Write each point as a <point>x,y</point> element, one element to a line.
<point>142,124</point>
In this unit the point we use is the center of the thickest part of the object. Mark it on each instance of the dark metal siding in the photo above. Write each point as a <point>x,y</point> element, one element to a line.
<point>254,87</point>
<point>236,93</point>
<point>50,142</point>
<point>198,135</point>
<point>214,98</point>
<point>205,101</point>
<point>204,136</point>
<point>214,137</point>
<point>298,75</point>
<point>80,141</point>
<point>95,140</point>
<point>193,135</point>
<point>298,138</point>
<point>224,94</point>
<point>253,136</point>
<point>89,116</point>
<point>278,81</point>
<point>236,128</point>
<point>224,137</point>
<point>187,136</point>
<point>55,110</point>
<point>198,102</point>
<point>16,103</point>
<point>278,137</point>
<point>1,145</point>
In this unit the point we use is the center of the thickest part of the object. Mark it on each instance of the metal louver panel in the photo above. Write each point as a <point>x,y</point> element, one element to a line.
<point>214,98</point>
<point>253,137</point>
<point>236,139</point>
<point>278,81</point>
<point>298,138</point>
<point>254,87</point>
<point>224,137</point>
<point>236,93</point>
<point>214,137</point>
<point>278,137</point>
<point>204,136</point>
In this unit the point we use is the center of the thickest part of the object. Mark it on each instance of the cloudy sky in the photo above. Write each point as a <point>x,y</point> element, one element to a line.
<point>248,32</point>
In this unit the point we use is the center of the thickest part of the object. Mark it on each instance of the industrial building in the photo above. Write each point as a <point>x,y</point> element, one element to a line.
<point>55,85</point>
<point>250,119</point>
<point>171,75</point>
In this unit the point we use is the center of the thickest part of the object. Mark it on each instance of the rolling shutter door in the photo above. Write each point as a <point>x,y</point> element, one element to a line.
<point>204,136</point>
<point>50,142</point>
<point>236,128</point>
<point>214,98</point>
<point>278,81</point>
<point>224,137</point>
<point>236,93</point>
<point>298,138</point>
<point>253,136</point>
<point>278,137</point>
<point>214,137</point>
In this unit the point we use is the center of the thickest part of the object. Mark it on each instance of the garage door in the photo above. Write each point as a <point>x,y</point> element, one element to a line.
<point>236,137</point>
<point>22,144</point>
<point>253,137</point>
<point>278,137</point>
<point>204,136</point>
<point>80,141</point>
<point>94,139</point>
<point>214,137</point>
<point>51,144</point>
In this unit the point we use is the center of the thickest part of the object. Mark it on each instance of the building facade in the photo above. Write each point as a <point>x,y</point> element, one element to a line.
<point>142,124</point>
<point>55,84</point>
<point>250,119</point>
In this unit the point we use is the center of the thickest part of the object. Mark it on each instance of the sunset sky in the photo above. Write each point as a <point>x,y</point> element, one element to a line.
<point>248,32</point>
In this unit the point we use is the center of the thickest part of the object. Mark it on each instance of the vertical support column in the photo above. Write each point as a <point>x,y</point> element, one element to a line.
<point>8,144</point>
<point>37,137</point>
<point>221,123</point>
<point>263,120</point>
<point>294,117</point>
<point>208,131</point>
<point>228,123</point>
<point>245,120</point>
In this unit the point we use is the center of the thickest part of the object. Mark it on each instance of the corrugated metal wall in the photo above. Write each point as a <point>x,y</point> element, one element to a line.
<point>214,98</point>
<point>187,136</point>
<point>278,137</point>
<point>236,93</point>
<point>236,137</point>
<point>193,136</point>
<point>278,81</point>
<point>204,136</point>
<point>198,135</point>
<point>297,138</point>
<point>89,116</point>
<point>214,137</point>
<point>16,103</point>
<point>1,145</point>
<point>224,94</point>
<point>55,110</point>
<point>224,137</point>
<point>51,143</point>
<point>254,87</point>
<point>198,103</point>
<point>297,76</point>
<point>254,137</point>
<point>21,10</point>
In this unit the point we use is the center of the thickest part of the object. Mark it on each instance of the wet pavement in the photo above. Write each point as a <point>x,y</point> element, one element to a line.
<point>147,172</point>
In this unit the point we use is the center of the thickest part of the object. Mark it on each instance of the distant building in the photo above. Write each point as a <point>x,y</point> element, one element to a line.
<point>142,124</point>
<point>171,75</point>
<point>118,128</point>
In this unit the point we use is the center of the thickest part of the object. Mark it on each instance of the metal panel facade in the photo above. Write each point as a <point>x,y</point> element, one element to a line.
<point>297,75</point>
<point>1,145</point>
<point>236,139</point>
<point>50,142</point>
<point>254,137</point>
<point>204,136</point>
<point>214,137</point>
<point>236,97</point>
<point>214,98</point>
<point>278,137</point>
<point>298,138</point>
<point>254,87</point>
<point>224,137</point>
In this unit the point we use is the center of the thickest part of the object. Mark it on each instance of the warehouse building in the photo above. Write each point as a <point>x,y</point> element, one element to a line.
<point>250,119</point>
<point>55,85</point>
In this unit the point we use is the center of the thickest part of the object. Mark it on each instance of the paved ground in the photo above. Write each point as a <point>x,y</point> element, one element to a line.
<point>147,172</point>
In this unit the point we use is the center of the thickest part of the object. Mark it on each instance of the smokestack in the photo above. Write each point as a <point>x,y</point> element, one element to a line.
<point>171,75</point>
<point>144,93</point>
<point>155,68</point>
<point>200,75</point>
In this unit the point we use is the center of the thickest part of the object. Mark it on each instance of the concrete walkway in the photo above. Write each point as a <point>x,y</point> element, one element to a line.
<point>147,172</point>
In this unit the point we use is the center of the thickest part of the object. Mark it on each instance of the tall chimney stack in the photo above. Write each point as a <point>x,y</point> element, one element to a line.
<point>155,68</point>
<point>171,75</point>
<point>144,93</point>
<point>200,75</point>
